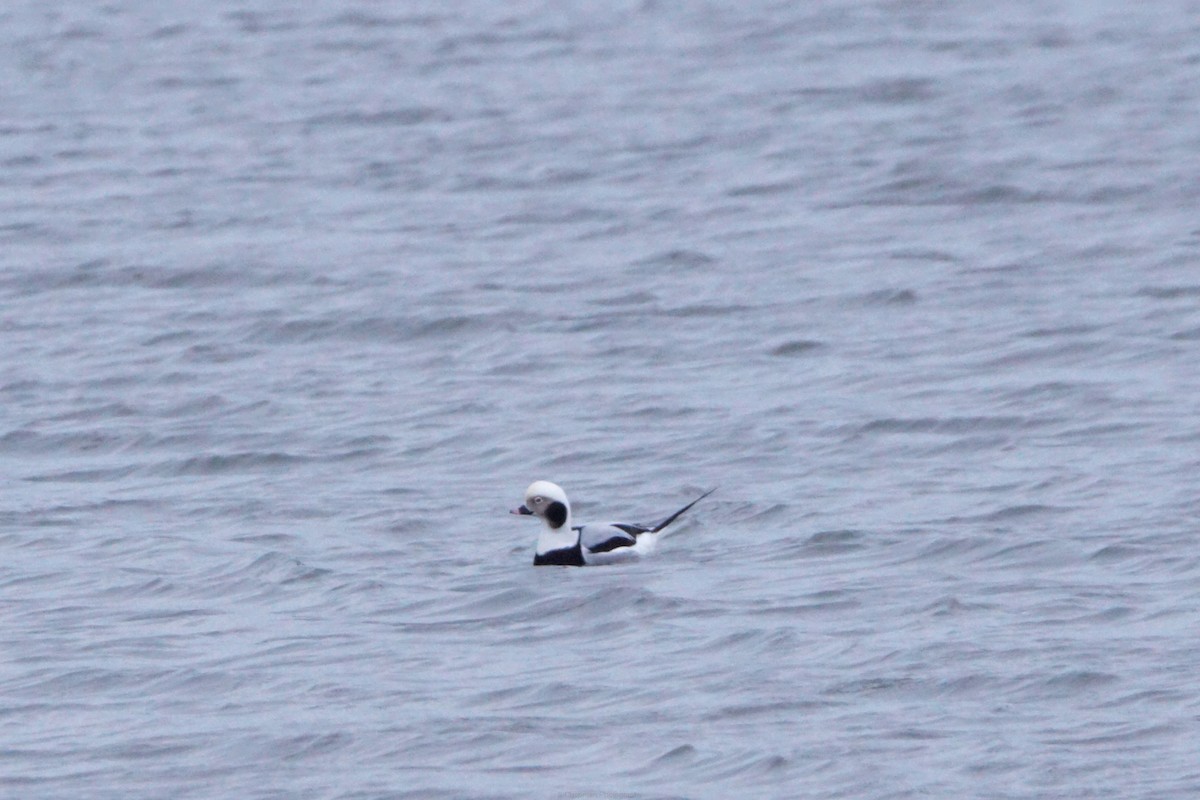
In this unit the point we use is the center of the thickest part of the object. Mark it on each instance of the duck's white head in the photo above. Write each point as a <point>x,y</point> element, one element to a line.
<point>548,501</point>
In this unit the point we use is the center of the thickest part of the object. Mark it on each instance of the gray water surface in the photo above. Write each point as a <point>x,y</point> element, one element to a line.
<point>296,299</point>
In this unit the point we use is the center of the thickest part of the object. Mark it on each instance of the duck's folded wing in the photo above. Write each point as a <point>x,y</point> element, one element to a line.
<point>611,536</point>
<point>614,535</point>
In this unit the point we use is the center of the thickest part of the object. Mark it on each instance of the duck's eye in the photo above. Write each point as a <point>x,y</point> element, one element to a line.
<point>537,501</point>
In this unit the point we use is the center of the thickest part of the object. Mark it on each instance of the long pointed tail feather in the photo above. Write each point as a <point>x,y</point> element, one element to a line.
<point>658,526</point>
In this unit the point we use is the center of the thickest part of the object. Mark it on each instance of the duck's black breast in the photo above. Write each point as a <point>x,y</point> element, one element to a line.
<point>564,557</point>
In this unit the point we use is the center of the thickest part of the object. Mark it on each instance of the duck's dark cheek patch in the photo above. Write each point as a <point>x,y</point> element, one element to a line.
<point>556,515</point>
